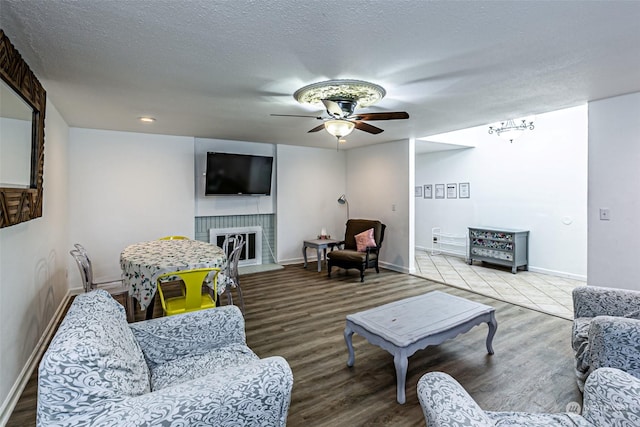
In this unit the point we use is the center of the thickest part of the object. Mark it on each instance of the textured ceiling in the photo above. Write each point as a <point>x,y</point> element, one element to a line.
<point>218,69</point>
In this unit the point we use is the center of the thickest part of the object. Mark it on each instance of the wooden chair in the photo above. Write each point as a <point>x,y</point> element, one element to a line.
<point>192,298</point>
<point>349,256</point>
<point>115,287</point>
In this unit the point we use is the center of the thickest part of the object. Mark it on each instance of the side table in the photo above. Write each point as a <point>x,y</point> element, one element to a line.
<point>320,245</point>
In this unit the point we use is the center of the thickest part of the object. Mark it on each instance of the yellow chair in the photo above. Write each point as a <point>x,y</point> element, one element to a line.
<point>174,238</point>
<point>192,298</point>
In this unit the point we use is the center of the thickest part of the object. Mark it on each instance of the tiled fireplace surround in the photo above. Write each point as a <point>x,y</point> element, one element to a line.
<point>266,221</point>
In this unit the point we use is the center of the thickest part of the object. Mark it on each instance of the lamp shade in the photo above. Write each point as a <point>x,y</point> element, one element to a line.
<point>339,128</point>
<point>342,199</point>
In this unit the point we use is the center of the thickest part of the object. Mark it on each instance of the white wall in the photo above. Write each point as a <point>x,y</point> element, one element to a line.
<point>231,205</point>
<point>378,181</point>
<point>537,183</point>
<point>126,188</point>
<point>614,175</point>
<point>33,263</point>
<point>310,181</point>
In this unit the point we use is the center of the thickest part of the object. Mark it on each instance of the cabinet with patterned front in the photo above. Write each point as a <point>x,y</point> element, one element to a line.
<point>502,246</point>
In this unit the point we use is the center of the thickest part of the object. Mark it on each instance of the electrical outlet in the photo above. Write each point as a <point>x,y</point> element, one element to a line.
<point>393,208</point>
<point>605,214</point>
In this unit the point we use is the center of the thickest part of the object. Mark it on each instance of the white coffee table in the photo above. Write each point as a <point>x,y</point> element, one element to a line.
<point>406,326</point>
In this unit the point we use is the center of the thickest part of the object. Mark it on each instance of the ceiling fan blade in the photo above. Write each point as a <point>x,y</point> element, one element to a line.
<point>295,115</point>
<point>333,108</point>
<point>392,115</point>
<point>317,128</point>
<point>368,128</point>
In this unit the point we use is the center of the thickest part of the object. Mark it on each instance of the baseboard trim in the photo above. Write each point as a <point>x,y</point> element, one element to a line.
<point>23,378</point>
<point>394,267</point>
<point>558,273</point>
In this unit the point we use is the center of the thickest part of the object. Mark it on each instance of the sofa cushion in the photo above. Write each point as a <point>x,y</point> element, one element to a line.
<point>350,256</point>
<point>580,344</point>
<point>365,240</point>
<point>92,358</point>
<point>188,368</point>
<point>537,420</point>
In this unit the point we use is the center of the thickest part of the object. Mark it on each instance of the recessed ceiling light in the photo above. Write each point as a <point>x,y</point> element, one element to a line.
<point>147,119</point>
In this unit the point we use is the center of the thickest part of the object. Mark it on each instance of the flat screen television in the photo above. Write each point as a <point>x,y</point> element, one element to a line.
<point>231,174</point>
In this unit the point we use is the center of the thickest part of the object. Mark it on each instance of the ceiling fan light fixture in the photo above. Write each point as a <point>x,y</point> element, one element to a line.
<point>365,93</point>
<point>339,128</point>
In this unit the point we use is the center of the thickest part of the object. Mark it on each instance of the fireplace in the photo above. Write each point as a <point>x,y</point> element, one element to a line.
<point>252,251</point>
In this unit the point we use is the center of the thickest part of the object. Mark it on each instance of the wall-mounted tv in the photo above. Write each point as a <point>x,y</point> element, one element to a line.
<point>231,174</point>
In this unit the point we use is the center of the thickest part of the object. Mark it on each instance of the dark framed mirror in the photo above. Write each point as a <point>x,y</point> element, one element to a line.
<point>21,138</point>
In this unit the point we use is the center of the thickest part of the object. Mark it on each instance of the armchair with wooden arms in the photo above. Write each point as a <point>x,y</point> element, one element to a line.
<point>349,256</point>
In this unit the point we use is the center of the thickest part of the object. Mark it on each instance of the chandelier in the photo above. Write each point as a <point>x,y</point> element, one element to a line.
<point>509,130</point>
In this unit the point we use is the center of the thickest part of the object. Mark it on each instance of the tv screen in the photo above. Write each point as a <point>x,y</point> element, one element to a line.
<point>238,174</point>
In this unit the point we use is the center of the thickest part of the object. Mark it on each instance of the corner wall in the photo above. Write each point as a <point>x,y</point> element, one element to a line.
<point>126,188</point>
<point>379,183</point>
<point>614,175</point>
<point>310,181</point>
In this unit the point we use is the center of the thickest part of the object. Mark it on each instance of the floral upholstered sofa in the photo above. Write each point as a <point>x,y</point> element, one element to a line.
<point>611,398</point>
<point>193,369</point>
<point>606,330</point>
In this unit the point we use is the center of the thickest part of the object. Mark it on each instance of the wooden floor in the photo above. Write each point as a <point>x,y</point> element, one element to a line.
<point>300,314</point>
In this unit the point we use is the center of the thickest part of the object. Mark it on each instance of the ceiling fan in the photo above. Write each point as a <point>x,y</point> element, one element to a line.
<point>340,99</point>
<point>343,110</point>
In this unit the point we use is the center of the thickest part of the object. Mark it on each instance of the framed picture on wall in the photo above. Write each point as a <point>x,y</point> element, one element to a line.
<point>452,191</point>
<point>418,191</point>
<point>463,187</point>
<point>428,191</point>
<point>439,191</point>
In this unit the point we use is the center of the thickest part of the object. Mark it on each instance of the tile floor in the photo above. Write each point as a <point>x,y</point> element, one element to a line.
<point>542,292</point>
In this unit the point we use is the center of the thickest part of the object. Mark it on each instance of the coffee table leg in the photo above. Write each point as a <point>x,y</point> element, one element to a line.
<point>401,362</point>
<point>493,326</point>
<point>348,335</point>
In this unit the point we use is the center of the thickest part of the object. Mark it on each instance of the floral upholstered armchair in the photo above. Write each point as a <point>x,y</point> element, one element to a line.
<point>606,330</point>
<point>611,398</point>
<point>187,370</point>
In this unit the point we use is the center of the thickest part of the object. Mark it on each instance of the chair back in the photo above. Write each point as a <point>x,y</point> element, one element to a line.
<point>357,226</point>
<point>84,266</point>
<point>84,253</point>
<point>231,242</point>
<point>173,238</point>
<point>193,281</point>
<point>231,272</point>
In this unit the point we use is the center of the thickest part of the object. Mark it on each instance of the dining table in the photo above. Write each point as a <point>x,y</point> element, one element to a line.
<point>142,263</point>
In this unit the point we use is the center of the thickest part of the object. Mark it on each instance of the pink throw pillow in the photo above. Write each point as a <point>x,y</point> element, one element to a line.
<point>364,240</point>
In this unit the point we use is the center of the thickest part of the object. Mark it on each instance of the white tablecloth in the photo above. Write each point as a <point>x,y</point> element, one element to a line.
<point>143,262</point>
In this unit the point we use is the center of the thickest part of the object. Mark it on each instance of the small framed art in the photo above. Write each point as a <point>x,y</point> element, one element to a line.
<point>463,187</point>
<point>452,191</point>
<point>428,191</point>
<point>439,191</point>
<point>418,191</point>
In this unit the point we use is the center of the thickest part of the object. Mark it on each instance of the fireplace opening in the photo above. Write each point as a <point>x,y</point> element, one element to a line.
<point>252,251</point>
